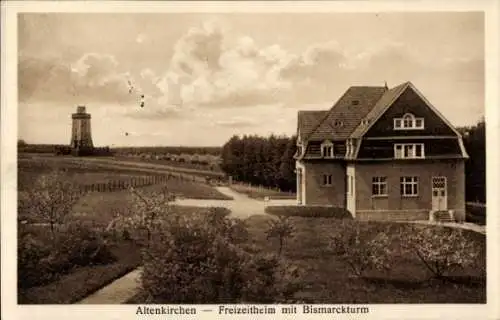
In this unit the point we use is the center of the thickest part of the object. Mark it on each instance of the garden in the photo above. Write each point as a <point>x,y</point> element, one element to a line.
<point>202,255</point>
<point>68,246</point>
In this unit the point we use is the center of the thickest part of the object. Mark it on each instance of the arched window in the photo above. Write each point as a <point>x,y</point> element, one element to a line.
<point>408,122</point>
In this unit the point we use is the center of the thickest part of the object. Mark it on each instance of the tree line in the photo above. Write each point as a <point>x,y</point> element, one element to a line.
<point>266,161</point>
<point>475,168</point>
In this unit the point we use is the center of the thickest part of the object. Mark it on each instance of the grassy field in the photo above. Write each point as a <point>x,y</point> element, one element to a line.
<point>181,164</point>
<point>327,278</point>
<point>89,173</point>
<point>261,193</point>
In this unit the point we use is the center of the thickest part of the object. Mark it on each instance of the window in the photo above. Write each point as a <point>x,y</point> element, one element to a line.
<point>338,123</point>
<point>408,122</point>
<point>355,102</point>
<point>409,186</point>
<point>327,150</point>
<point>364,122</point>
<point>327,179</point>
<point>409,151</point>
<point>379,186</point>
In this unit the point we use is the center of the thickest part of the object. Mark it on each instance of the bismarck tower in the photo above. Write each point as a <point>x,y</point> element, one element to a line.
<point>81,138</point>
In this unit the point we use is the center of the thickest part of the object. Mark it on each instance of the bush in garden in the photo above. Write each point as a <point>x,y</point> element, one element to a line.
<point>191,261</point>
<point>361,251</point>
<point>81,245</point>
<point>309,211</point>
<point>270,279</point>
<point>234,230</point>
<point>282,229</point>
<point>29,254</point>
<point>43,260</point>
<point>440,249</point>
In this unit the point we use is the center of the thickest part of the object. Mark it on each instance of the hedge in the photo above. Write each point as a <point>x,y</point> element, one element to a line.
<point>309,211</point>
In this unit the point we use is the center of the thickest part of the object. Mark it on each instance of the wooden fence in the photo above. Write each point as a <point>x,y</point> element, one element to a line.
<point>116,185</point>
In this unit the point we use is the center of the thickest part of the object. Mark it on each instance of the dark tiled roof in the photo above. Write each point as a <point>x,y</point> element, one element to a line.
<point>343,118</point>
<point>308,120</point>
<point>380,107</point>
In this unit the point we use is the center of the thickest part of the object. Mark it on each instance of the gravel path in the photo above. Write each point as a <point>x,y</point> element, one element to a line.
<point>241,206</point>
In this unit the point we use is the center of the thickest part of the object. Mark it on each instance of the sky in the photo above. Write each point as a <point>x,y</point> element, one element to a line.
<point>206,77</point>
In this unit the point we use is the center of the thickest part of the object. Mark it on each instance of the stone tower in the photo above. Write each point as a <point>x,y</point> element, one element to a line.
<point>81,138</point>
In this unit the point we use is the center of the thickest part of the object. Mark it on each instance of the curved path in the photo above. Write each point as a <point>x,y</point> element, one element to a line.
<point>241,206</point>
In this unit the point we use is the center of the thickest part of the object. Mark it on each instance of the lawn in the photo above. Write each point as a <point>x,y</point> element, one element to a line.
<point>83,281</point>
<point>327,278</point>
<point>261,193</point>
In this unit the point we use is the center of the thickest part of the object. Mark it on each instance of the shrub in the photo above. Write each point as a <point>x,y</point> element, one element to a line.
<point>440,248</point>
<point>361,251</point>
<point>81,246</point>
<point>271,279</point>
<point>29,254</point>
<point>193,260</point>
<point>309,211</point>
<point>280,228</point>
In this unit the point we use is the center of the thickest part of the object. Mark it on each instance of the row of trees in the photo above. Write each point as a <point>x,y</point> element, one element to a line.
<point>475,167</point>
<point>266,161</point>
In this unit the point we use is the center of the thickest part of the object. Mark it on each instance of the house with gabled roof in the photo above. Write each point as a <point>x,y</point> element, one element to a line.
<point>382,153</point>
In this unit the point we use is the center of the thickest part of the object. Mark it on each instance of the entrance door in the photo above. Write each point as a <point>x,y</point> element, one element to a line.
<point>439,193</point>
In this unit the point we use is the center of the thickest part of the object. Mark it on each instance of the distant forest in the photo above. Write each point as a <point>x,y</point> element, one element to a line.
<point>266,161</point>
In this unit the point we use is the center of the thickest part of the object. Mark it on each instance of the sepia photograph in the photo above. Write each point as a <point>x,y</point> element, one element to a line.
<point>251,159</point>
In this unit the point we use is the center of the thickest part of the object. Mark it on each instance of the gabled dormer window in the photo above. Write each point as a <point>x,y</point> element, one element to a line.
<point>327,149</point>
<point>408,122</point>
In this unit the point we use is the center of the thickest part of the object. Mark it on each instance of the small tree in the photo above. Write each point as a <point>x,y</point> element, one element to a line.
<point>360,250</point>
<point>148,208</point>
<point>282,229</point>
<point>440,249</point>
<point>51,199</point>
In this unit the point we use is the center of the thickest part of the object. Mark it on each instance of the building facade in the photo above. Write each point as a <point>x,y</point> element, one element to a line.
<point>382,154</point>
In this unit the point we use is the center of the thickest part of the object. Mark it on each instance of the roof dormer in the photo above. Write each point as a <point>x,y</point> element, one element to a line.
<point>408,122</point>
<point>327,149</point>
